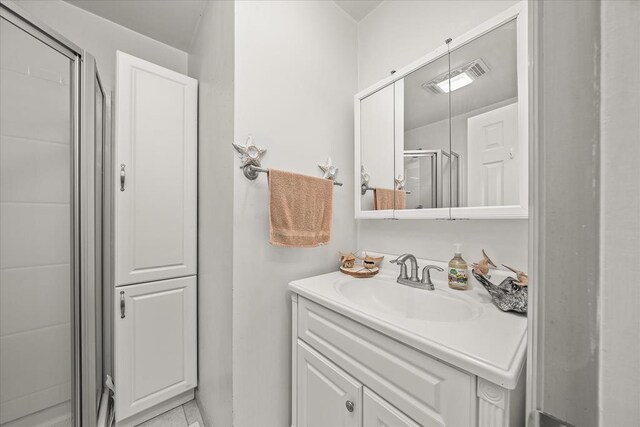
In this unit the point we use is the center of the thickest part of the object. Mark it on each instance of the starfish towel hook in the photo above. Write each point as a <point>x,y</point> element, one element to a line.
<point>250,154</point>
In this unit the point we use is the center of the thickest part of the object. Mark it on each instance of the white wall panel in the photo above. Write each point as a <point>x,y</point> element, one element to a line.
<point>34,234</point>
<point>295,76</point>
<point>211,62</point>
<point>34,297</point>
<point>34,170</point>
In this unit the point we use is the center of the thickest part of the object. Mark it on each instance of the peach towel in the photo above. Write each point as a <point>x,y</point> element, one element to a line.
<point>383,198</point>
<point>300,209</point>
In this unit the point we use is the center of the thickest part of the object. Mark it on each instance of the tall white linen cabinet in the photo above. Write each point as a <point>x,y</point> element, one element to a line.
<point>155,240</point>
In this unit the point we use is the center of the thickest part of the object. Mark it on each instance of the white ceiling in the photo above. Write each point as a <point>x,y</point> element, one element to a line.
<point>358,9</point>
<point>172,22</point>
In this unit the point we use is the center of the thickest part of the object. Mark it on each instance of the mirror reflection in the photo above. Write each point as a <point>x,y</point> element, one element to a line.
<point>426,157</point>
<point>461,126</point>
<point>484,123</point>
<point>446,135</point>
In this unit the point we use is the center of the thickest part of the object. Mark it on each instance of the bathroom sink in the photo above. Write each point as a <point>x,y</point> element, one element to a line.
<point>385,296</point>
<point>464,328</point>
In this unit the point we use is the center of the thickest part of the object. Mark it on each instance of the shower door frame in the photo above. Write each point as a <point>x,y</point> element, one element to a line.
<point>82,239</point>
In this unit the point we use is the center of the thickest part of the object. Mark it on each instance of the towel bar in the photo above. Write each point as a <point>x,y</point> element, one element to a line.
<point>364,188</point>
<point>251,172</point>
<point>250,156</point>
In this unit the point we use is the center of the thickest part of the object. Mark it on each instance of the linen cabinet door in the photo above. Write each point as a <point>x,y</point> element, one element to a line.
<point>327,396</point>
<point>377,412</point>
<point>155,343</point>
<point>155,172</point>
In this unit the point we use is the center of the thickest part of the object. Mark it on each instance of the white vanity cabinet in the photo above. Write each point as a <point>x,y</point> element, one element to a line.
<point>378,412</point>
<point>328,396</point>
<point>341,364</point>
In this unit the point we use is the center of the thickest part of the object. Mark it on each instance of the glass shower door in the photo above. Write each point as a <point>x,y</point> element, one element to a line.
<point>37,268</point>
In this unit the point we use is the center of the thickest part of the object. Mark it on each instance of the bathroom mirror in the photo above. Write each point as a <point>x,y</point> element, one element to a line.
<point>424,144</point>
<point>484,119</point>
<point>377,152</point>
<point>449,132</point>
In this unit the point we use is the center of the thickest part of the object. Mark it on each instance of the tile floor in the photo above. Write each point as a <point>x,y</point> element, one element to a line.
<point>182,416</point>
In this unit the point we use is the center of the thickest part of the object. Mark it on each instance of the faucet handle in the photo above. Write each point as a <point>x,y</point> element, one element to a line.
<point>426,275</point>
<point>403,268</point>
<point>399,260</point>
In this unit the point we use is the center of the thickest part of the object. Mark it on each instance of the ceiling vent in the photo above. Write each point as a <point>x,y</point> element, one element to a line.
<point>460,77</point>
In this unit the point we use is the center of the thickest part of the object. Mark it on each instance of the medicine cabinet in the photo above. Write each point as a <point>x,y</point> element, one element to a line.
<point>446,137</point>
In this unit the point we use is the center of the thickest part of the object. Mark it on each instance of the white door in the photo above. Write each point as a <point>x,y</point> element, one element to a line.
<point>327,396</point>
<point>155,343</point>
<point>492,144</point>
<point>377,412</point>
<point>156,172</point>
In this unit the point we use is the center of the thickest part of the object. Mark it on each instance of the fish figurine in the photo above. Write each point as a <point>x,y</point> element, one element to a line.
<point>508,295</point>
<point>369,261</point>
<point>484,264</point>
<point>522,278</point>
<point>347,260</point>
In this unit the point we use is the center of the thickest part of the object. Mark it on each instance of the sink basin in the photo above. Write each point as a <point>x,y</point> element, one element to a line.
<point>387,297</point>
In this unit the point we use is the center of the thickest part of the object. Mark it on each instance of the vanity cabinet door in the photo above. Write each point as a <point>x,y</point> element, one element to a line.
<point>380,413</point>
<point>155,343</point>
<point>327,396</point>
<point>155,172</point>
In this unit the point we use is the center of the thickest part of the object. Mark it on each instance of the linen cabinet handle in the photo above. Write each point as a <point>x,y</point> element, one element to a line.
<point>122,304</point>
<point>349,404</point>
<point>122,176</point>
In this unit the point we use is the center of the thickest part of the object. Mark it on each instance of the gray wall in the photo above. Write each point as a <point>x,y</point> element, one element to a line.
<point>295,76</point>
<point>211,62</point>
<point>620,214</point>
<point>566,210</point>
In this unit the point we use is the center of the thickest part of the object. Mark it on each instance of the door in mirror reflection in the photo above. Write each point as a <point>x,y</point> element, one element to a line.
<point>484,119</point>
<point>425,154</point>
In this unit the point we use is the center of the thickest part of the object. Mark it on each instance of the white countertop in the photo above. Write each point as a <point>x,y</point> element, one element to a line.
<point>492,345</point>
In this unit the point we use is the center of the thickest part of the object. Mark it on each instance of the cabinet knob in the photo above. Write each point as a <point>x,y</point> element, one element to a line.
<point>349,404</point>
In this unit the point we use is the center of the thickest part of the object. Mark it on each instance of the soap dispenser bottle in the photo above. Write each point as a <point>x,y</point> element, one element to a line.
<point>458,275</point>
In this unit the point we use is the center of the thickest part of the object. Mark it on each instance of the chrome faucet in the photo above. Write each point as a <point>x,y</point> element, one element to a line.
<point>414,281</point>
<point>401,260</point>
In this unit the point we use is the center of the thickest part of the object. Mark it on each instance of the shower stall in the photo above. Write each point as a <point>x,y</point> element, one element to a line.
<point>53,112</point>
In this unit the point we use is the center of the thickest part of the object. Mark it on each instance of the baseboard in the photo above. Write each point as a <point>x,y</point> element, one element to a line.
<point>203,415</point>
<point>61,413</point>
<point>161,408</point>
